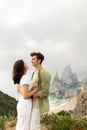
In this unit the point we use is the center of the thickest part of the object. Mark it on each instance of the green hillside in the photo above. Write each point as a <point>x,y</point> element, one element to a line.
<point>7,105</point>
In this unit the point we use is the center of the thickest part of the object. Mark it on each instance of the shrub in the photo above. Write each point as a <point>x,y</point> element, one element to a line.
<point>63,121</point>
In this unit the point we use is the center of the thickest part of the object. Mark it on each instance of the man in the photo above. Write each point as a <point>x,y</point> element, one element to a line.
<point>41,79</point>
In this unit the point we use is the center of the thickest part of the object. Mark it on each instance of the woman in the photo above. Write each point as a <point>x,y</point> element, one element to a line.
<point>24,106</point>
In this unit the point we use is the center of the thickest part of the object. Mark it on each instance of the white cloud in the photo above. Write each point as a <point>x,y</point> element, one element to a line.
<point>56,28</point>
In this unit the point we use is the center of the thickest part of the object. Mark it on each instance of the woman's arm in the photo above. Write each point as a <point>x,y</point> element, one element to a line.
<point>18,88</point>
<point>25,92</point>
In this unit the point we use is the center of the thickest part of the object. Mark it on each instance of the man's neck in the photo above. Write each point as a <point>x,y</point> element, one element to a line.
<point>38,67</point>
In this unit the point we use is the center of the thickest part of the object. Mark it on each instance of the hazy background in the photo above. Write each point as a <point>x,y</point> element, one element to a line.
<point>57,28</point>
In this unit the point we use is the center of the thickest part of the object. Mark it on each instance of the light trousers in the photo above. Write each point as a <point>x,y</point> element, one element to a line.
<point>35,119</point>
<point>24,108</point>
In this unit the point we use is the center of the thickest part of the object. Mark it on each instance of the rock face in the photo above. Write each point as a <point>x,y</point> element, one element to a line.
<point>81,106</point>
<point>66,85</point>
<point>7,105</point>
<point>68,77</point>
<point>57,86</point>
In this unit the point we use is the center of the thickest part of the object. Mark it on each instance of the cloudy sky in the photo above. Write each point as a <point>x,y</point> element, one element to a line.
<point>57,28</point>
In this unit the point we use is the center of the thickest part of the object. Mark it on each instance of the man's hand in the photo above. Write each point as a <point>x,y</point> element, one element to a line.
<point>35,95</point>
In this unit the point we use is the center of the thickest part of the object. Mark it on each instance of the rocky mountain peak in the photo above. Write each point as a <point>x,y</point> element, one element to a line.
<point>57,84</point>
<point>68,77</point>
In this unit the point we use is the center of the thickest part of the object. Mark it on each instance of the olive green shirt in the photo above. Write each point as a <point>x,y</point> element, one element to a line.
<point>44,80</point>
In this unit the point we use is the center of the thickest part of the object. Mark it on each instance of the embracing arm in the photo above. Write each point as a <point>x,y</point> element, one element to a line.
<point>18,88</point>
<point>25,92</point>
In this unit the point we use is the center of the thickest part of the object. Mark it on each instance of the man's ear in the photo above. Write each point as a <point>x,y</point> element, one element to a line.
<point>39,61</point>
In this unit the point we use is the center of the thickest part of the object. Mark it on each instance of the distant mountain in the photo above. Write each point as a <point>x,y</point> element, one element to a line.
<point>69,78</point>
<point>7,105</point>
<point>57,86</point>
<point>67,85</point>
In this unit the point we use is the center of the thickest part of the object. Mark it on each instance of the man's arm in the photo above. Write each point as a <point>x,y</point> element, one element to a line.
<point>45,85</point>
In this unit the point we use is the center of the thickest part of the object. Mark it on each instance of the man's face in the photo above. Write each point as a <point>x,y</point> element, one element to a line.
<point>35,62</point>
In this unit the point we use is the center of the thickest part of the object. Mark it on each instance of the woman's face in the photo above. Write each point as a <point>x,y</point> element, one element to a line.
<point>26,66</point>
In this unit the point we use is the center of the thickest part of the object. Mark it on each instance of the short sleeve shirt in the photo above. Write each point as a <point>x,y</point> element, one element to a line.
<point>25,80</point>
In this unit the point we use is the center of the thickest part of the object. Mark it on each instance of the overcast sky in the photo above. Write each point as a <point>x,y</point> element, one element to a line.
<point>57,28</point>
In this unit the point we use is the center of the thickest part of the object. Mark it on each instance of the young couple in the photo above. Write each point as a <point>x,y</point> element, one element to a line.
<point>33,94</point>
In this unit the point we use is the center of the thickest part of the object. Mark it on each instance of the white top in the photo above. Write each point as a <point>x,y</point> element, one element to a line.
<point>25,80</point>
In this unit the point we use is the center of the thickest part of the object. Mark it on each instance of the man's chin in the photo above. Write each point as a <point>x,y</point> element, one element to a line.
<point>33,65</point>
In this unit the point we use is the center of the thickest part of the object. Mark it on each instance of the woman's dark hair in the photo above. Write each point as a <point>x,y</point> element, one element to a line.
<point>18,71</point>
<point>39,55</point>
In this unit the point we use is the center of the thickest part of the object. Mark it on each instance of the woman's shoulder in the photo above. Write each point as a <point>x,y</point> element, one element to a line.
<point>24,79</point>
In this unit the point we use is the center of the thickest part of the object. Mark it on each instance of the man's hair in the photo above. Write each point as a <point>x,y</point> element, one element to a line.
<point>39,56</point>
